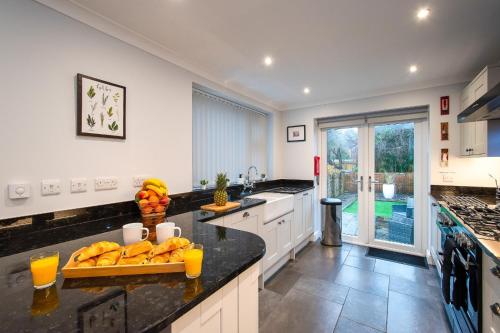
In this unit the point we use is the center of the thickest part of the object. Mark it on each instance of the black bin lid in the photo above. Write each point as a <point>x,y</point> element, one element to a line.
<point>331,201</point>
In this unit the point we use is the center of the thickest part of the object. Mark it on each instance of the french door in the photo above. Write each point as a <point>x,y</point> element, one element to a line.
<point>376,169</point>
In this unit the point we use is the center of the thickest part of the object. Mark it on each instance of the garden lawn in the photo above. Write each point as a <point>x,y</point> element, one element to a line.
<point>382,208</point>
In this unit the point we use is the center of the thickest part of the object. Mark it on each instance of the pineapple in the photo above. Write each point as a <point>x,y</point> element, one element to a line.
<point>220,194</point>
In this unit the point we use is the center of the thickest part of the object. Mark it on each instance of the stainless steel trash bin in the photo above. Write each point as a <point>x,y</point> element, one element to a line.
<point>331,222</point>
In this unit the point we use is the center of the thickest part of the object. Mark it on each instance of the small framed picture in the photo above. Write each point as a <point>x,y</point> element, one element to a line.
<point>296,133</point>
<point>100,108</point>
<point>444,158</point>
<point>445,105</point>
<point>444,131</point>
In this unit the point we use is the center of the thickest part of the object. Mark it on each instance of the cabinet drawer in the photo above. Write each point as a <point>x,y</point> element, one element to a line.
<point>239,216</point>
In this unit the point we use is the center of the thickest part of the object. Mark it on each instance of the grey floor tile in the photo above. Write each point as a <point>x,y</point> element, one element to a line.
<point>283,281</point>
<point>268,301</point>
<point>406,271</point>
<point>412,314</point>
<point>300,312</point>
<point>367,309</point>
<point>360,262</point>
<point>358,251</point>
<point>359,279</point>
<point>416,289</point>
<point>321,288</point>
<point>345,325</point>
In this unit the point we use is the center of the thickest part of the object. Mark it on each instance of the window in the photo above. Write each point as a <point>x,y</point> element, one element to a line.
<point>227,137</point>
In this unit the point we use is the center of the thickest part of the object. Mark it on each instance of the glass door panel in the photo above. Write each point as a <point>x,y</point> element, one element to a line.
<point>342,150</point>
<point>392,183</point>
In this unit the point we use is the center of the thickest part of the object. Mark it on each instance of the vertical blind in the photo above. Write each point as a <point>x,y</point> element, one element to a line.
<point>227,137</point>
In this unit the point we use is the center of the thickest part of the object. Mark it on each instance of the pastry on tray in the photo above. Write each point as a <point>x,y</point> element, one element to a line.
<point>160,259</point>
<point>96,249</point>
<point>135,249</point>
<point>170,244</point>
<point>139,259</point>
<point>91,262</point>
<point>109,258</point>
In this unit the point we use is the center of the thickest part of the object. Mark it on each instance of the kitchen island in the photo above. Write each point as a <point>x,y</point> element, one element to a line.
<point>147,303</point>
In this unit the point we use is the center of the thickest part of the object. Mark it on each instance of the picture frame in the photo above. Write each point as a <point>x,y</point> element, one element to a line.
<point>296,133</point>
<point>444,131</point>
<point>445,105</point>
<point>101,108</point>
<point>443,161</point>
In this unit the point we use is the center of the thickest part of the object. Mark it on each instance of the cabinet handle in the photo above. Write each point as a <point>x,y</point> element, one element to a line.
<point>246,214</point>
<point>306,194</point>
<point>434,204</point>
<point>495,308</point>
<point>279,222</point>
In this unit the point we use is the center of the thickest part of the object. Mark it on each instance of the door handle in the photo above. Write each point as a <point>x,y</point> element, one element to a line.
<point>370,182</point>
<point>495,308</point>
<point>360,181</point>
<point>246,214</point>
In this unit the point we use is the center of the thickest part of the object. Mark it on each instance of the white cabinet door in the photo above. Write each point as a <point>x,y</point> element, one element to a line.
<point>247,220</point>
<point>216,314</point>
<point>467,138</point>
<point>298,219</point>
<point>218,222</point>
<point>307,210</point>
<point>285,235</point>
<point>480,138</point>
<point>271,237</point>
<point>248,300</point>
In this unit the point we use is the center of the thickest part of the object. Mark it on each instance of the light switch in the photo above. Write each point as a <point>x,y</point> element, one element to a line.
<point>78,185</point>
<point>51,186</point>
<point>19,190</point>
<point>106,183</point>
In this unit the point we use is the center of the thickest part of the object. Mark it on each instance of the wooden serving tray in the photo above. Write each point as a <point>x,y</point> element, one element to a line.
<point>214,208</point>
<point>70,271</point>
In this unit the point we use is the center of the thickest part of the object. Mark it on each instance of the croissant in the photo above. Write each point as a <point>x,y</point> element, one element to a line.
<point>137,248</point>
<point>170,245</point>
<point>139,259</point>
<point>160,259</point>
<point>109,258</point>
<point>87,263</point>
<point>96,249</point>
<point>177,255</point>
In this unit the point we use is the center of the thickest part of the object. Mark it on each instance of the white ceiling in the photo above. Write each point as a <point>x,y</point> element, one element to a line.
<point>341,49</point>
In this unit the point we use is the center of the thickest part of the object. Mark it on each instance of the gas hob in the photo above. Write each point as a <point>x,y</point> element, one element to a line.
<point>484,221</point>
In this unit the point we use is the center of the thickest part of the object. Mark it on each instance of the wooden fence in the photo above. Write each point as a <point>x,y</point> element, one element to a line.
<point>339,183</point>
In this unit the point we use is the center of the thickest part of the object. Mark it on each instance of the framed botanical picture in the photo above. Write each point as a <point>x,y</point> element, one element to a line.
<point>101,108</point>
<point>445,105</point>
<point>296,133</point>
<point>444,158</point>
<point>444,131</point>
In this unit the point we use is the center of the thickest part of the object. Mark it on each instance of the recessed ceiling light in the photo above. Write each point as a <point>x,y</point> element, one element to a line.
<point>268,61</point>
<point>423,13</point>
<point>307,90</point>
<point>413,69</point>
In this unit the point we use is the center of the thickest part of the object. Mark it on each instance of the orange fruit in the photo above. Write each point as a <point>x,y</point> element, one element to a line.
<point>152,193</point>
<point>147,210</point>
<point>159,209</point>
<point>153,201</point>
<point>143,203</point>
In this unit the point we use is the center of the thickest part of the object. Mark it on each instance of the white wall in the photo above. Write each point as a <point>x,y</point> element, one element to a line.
<point>466,171</point>
<point>42,51</point>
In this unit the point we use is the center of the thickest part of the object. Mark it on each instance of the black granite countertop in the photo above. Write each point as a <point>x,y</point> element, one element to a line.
<point>131,303</point>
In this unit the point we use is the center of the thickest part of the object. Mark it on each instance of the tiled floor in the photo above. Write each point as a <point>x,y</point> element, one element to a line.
<point>341,290</point>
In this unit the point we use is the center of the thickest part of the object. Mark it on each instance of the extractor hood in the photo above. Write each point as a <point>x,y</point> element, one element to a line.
<point>485,108</point>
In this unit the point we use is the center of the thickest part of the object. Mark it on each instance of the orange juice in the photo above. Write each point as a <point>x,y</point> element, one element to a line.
<point>193,259</point>
<point>44,269</point>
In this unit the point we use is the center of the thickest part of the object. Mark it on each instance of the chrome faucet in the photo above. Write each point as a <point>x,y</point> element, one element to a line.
<point>248,185</point>
<point>497,196</point>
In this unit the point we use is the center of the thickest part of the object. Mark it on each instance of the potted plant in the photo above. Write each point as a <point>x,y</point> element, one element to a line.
<point>263,177</point>
<point>389,188</point>
<point>203,184</point>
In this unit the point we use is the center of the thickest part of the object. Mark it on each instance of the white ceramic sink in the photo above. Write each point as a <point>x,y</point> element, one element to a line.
<point>277,204</point>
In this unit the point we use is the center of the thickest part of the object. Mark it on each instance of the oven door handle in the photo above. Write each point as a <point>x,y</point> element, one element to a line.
<point>465,262</point>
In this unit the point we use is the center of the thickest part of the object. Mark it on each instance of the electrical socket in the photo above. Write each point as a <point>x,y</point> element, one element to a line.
<point>78,185</point>
<point>137,181</point>
<point>106,183</point>
<point>51,186</point>
<point>447,178</point>
<point>19,190</point>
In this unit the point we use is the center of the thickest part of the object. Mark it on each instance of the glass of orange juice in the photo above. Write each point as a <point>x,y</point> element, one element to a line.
<point>44,269</point>
<point>193,258</point>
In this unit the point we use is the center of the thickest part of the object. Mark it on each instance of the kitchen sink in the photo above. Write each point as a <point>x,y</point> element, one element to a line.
<point>277,204</point>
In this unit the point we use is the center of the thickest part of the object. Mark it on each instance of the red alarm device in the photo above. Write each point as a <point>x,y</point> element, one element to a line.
<point>316,165</point>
